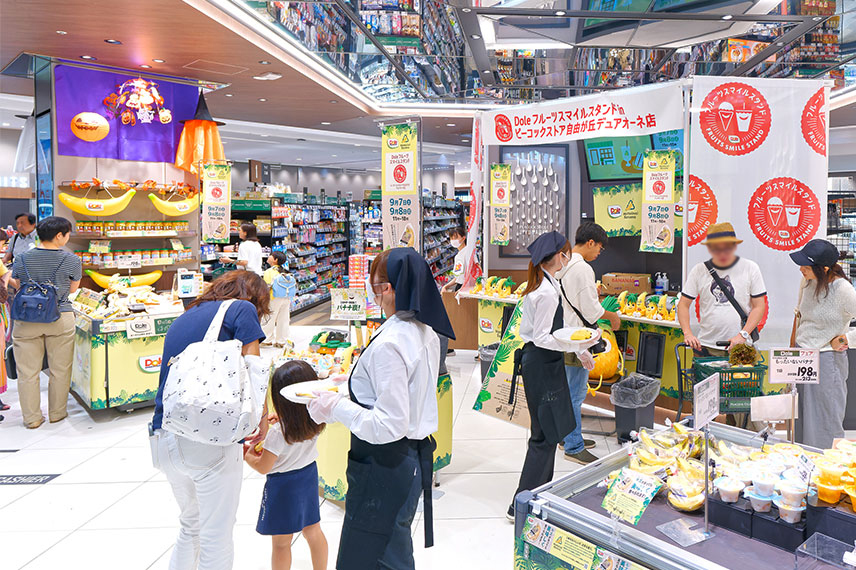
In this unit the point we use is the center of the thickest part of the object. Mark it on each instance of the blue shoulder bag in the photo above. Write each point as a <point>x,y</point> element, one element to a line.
<point>36,302</point>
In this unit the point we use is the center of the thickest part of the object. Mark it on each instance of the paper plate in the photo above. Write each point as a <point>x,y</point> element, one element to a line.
<point>564,336</point>
<point>302,392</point>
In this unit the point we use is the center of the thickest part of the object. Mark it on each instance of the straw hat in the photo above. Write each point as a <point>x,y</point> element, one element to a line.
<point>721,233</point>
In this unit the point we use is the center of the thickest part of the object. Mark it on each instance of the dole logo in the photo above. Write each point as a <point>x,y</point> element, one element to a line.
<point>150,364</point>
<point>652,163</point>
<point>392,143</point>
<point>614,211</point>
<point>181,207</point>
<point>94,205</point>
<point>486,325</point>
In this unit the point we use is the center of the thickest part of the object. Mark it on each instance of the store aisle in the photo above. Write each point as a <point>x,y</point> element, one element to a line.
<point>109,508</point>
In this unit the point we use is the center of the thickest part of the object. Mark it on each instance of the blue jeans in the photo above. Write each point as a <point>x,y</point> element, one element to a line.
<point>578,384</point>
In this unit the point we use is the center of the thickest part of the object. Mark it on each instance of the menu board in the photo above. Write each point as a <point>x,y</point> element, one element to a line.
<point>616,158</point>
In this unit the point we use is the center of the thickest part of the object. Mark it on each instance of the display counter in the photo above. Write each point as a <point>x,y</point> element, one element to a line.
<point>117,361</point>
<point>662,334</point>
<point>571,511</point>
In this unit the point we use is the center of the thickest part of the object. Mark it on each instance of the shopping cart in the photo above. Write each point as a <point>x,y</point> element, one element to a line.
<point>737,384</point>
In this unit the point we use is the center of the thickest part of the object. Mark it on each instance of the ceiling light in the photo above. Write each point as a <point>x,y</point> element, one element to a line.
<point>727,17</point>
<point>228,94</point>
<point>560,12</point>
<point>298,159</point>
<point>114,42</point>
<point>224,142</point>
<point>466,10</point>
<point>487,71</point>
<point>333,101</point>
<point>144,66</point>
<point>62,33</point>
<point>88,57</point>
<point>5,124</point>
<point>333,155</point>
<point>780,44</point>
<point>450,124</point>
<point>816,19</point>
<point>262,99</point>
<point>475,37</point>
<point>325,122</point>
<point>269,76</point>
<point>264,135</point>
<point>159,60</point>
<point>264,62</point>
<point>355,144</point>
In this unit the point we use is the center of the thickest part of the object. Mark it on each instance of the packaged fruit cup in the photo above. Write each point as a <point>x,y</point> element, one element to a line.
<point>729,488</point>
<point>789,513</point>
<point>792,493</point>
<point>830,473</point>
<point>851,492</point>
<point>759,504</point>
<point>764,484</point>
<point>828,493</point>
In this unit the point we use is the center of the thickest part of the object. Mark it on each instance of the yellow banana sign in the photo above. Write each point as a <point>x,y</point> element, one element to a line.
<point>96,207</point>
<point>104,281</point>
<point>177,208</point>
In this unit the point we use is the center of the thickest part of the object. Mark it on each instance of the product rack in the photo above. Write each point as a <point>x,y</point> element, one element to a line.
<point>439,216</point>
<point>841,221</point>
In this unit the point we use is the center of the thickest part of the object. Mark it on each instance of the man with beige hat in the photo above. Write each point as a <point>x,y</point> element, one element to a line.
<point>731,296</point>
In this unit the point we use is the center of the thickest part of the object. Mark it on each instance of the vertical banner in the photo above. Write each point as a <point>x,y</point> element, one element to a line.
<point>759,160</point>
<point>500,203</point>
<point>216,202</point>
<point>658,202</point>
<point>400,185</point>
<point>473,269</point>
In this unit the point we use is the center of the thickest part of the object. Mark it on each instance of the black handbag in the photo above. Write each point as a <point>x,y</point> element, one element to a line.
<point>728,295</point>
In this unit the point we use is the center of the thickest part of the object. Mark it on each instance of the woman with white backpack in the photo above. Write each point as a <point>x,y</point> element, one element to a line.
<point>206,477</point>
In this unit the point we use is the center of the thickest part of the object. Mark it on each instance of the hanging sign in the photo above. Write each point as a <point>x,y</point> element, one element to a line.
<point>658,202</point>
<point>500,203</point>
<point>348,304</point>
<point>794,366</point>
<point>472,270</point>
<point>400,185</point>
<point>618,209</point>
<point>629,495</point>
<point>216,202</point>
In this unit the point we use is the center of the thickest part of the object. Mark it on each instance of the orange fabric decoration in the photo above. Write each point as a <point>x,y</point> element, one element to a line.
<point>200,140</point>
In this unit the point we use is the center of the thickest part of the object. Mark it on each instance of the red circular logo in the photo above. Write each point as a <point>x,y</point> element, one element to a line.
<point>503,128</point>
<point>813,122</point>
<point>784,213</point>
<point>500,193</point>
<point>216,192</point>
<point>735,118</point>
<point>399,173</point>
<point>702,210</point>
<point>659,187</point>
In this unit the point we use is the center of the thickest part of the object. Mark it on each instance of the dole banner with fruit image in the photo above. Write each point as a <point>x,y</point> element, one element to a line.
<point>400,185</point>
<point>103,114</point>
<point>759,160</point>
<point>500,203</point>
<point>658,202</point>
<point>639,111</point>
<point>216,202</point>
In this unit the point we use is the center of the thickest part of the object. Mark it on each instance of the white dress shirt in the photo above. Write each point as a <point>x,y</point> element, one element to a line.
<point>539,308</point>
<point>251,252</point>
<point>581,290</point>
<point>396,377</point>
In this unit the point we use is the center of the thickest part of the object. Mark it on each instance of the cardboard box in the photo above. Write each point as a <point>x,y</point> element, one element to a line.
<point>615,283</point>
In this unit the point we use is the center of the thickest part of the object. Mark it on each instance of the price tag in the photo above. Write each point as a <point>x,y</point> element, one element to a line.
<point>794,366</point>
<point>705,401</point>
<point>804,468</point>
<point>129,261</point>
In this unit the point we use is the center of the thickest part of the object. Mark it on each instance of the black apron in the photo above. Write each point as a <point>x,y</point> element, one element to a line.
<point>380,478</point>
<point>545,385</point>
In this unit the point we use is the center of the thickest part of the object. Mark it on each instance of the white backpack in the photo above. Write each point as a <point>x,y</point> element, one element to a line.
<point>213,394</point>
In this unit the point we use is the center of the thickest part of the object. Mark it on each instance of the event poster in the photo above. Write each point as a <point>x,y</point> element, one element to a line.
<point>759,161</point>
<point>104,114</point>
<point>400,185</point>
<point>216,202</point>
<point>658,202</point>
<point>500,203</point>
<point>618,209</point>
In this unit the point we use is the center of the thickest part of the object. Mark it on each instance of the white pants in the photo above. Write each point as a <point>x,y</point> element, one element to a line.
<point>206,482</point>
<point>276,325</point>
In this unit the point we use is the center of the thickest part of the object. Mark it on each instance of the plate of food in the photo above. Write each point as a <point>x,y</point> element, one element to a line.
<point>577,338</point>
<point>304,392</point>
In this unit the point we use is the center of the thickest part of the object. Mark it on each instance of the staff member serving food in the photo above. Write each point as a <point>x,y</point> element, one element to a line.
<point>391,413</point>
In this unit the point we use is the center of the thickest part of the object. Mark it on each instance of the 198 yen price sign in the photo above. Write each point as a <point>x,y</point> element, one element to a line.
<point>794,366</point>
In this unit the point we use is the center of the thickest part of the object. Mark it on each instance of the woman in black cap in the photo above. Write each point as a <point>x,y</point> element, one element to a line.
<point>391,413</point>
<point>541,361</point>
<point>827,304</point>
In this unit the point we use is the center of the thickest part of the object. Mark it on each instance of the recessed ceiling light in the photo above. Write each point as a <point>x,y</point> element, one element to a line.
<point>114,42</point>
<point>269,76</point>
<point>62,33</point>
<point>816,19</point>
<point>488,71</point>
<point>333,101</point>
<point>333,155</point>
<point>298,159</point>
<point>450,124</point>
<point>475,37</point>
<point>264,62</point>
<point>228,94</point>
<point>727,17</point>
<point>144,66</point>
<point>5,124</point>
<point>159,60</point>
<point>466,10</point>
<point>224,142</point>
<point>325,122</point>
<point>262,99</point>
<point>355,144</point>
<point>780,44</point>
<point>560,12</point>
<point>264,135</point>
<point>88,57</point>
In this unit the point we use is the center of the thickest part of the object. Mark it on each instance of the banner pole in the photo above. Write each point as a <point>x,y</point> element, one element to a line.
<point>686,189</point>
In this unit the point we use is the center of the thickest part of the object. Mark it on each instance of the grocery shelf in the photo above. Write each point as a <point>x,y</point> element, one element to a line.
<point>101,266</point>
<point>135,235</point>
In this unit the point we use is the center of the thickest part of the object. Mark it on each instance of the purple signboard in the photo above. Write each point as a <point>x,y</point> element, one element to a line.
<point>103,114</point>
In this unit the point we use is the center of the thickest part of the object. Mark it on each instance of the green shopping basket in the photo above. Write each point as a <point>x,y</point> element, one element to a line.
<point>737,384</point>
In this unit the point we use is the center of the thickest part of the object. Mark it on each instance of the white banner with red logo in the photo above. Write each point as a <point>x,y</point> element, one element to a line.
<point>637,111</point>
<point>758,160</point>
<point>658,202</point>
<point>473,269</point>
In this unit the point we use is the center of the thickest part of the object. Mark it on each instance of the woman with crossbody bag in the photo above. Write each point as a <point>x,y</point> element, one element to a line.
<point>826,305</point>
<point>206,478</point>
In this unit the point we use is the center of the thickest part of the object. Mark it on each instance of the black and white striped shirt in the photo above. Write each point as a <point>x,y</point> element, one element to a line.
<point>49,266</point>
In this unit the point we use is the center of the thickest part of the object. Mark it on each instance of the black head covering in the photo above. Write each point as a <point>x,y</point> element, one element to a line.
<point>546,245</point>
<point>415,290</point>
<point>816,252</point>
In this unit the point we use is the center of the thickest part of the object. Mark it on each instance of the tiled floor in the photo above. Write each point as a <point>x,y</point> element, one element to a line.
<point>110,509</point>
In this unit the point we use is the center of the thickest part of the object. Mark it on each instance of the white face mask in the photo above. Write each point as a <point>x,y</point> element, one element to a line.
<point>566,264</point>
<point>456,242</point>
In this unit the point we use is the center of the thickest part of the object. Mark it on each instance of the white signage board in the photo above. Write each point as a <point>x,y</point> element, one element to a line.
<point>794,366</point>
<point>705,401</point>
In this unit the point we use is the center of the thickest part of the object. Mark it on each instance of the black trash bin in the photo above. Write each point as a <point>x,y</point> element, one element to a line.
<point>486,355</point>
<point>633,399</point>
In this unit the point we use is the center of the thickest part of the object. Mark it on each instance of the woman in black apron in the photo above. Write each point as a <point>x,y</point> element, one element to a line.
<point>541,361</point>
<point>391,413</point>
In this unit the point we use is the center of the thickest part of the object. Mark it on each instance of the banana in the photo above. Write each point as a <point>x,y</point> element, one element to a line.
<point>646,440</point>
<point>622,301</point>
<point>681,429</point>
<point>688,504</point>
<point>649,458</point>
<point>177,208</point>
<point>107,281</point>
<point>95,207</point>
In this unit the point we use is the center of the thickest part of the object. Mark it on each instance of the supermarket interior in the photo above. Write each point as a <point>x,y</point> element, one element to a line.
<point>498,284</point>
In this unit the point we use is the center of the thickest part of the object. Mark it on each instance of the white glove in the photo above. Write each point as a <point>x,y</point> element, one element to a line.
<point>321,407</point>
<point>586,359</point>
<point>339,380</point>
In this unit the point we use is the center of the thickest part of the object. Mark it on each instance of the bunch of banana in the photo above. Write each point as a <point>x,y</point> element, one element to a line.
<point>662,471</point>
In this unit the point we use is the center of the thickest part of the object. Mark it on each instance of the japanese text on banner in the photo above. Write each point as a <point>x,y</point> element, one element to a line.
<point>348,304</point>
<point>400,185</point>
<point>658,202</point>
<point>500,202</point>
<point>216,202</point>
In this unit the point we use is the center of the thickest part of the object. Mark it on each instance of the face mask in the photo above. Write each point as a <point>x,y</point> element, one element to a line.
<point>370,296</point>
<point>456,242</point>
<point>566,264</point>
